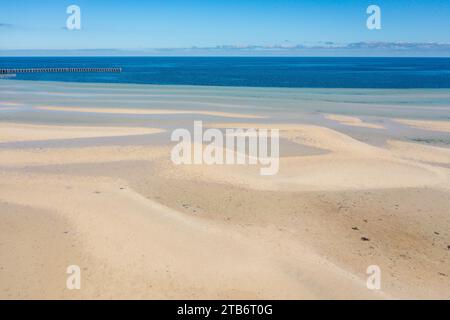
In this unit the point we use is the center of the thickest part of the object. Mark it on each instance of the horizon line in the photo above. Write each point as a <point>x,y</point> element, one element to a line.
<point>232,56</point>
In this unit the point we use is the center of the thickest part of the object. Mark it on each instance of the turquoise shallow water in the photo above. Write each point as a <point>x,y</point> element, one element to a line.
<point>280,105</point>
<point>279,102</point>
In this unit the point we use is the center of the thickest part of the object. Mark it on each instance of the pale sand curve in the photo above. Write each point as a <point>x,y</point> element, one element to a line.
<point>98,154</point>
<point>152,112</point>
<point>336,171</point>
<point>442,126</point>
<point>352,121</point>
<point>350,165</point>
<point>321,173</point>
<point>419,152</point>
<point>309,135</point>
<point>14,132</point>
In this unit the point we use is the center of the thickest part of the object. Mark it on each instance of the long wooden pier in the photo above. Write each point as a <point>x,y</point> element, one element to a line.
<point>61,70</point>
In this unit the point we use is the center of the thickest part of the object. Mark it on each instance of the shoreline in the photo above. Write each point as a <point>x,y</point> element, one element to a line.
<point>187,86</point>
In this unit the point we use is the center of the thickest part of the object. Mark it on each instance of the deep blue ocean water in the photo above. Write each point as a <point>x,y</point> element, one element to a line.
<point>300,72</point>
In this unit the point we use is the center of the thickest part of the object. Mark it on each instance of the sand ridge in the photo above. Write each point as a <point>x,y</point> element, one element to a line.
<point>352,121</point>
<point>443,126</point>
<point>419,152</point>
<point>13,132</point>
<point>151,111</point>
<point>349,165</point>
<point>62,156</point>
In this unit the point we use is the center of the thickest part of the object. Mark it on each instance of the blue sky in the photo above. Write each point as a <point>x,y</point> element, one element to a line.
<point>142,25</point>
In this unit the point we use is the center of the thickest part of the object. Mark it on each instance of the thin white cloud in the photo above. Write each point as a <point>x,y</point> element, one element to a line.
<point>285,49</point>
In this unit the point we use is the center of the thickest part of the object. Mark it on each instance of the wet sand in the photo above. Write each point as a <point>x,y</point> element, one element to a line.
<point>141,227</point>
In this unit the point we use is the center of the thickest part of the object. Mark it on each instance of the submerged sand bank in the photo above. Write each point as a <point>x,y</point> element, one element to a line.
<point>151,112</point>
<point>352,121</point>
<point>443,126</point>
<point>14,132</point>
